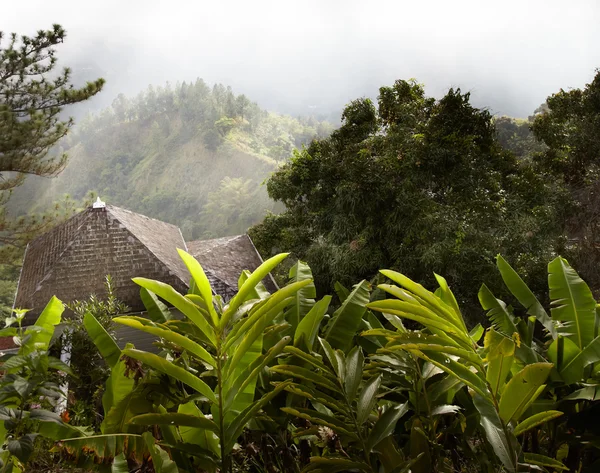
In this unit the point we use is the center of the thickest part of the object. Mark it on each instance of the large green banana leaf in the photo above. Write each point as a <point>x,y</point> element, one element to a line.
<point>524,295</point>
<point>346,320</point>
<point>572,303</point>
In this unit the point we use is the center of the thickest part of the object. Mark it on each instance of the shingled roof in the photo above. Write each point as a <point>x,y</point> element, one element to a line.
<point>227,257</point>
<point>72,260</point>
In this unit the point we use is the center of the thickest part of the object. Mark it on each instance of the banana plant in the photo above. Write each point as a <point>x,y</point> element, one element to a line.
<point>220,355</point>
<point>571,342</point>
<point>502,395</point>
<point>572,325</point>
<point>27,390</point>
<point>345,414</point>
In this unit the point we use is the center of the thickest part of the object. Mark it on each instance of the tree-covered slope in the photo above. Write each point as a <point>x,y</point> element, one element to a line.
<point>191,155</point>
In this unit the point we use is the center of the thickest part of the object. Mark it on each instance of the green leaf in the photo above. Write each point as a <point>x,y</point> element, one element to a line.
<point>307,375</point>
<point>476,333</point>
<point>251,355</point>
<point>346,320</point>
<point>304,299</point>
<point>265,310</point>
<point>523,294</point>
<point>119,464</point>
<point>117,388</point>
<point>419,447</point>
<point>48,319</point>
<point>422,315</point>
<point>504,443</point>
<point>573,303</point>
<point>133,403</point>
<point>160,459</point>
<point>542,460</point>
<point>206,439</point>
<point>443,391</point>
<point>202,283</point>
<point>588,393</point>
<point>341,291</point>
<point>9,332</point>
<point>497,312</point>
<point>184,305</point>
<point>354,371</point>
<point>448,298</point>
<point>58,365</point>
<point>535,420</point>
<point>175,419</point>
<point>105,448</point>
<point>253,332</point>
<point>308,328</point>
<point>332,357</point>
<point>385,424</point>
<point>156,310</point>
<point>319,418</point>
<point>168,368</point>
<point>258,275</point>
<point>105,344</point>
<point>184,342</point>
<point>367,399</point>
<point>567,357</point>
<point>259,291</point>
<point>523,388</point>
<point>59,430</point>
<point>236,427</point>
<point>458,370</point>
<point>319,397</point>
<point>22,447</point>
<point>247,377</point>
<point>312,359</point>
<point>425,298</point>
<point>500,356</point>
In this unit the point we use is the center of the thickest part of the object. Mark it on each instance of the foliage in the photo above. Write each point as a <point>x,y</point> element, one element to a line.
<point>89,369</point>
<point>34,96</point>
<point>345,416</point>
<point>234,207</point>
<point>568,127</point>
<point>521,386</point>
<point>27,389</point>
<point>416,184</point>
<point>163,154</point>
<point>216,371</point>
<point>516,136</point>
<point>358,393</point>
<point>30,122</point>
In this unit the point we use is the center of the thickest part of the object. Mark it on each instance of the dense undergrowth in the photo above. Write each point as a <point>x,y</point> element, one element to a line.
<point>392,380</point>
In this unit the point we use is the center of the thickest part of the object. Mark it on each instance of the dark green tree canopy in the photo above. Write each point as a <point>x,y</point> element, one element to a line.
<point>32,95</point>
<point>416,184</point>
<point>569,126</point>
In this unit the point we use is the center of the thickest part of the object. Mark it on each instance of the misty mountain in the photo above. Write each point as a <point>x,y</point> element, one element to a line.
<point>188,154</point>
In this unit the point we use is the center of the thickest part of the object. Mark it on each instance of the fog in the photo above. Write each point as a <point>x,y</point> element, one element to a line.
<point>313,56</point>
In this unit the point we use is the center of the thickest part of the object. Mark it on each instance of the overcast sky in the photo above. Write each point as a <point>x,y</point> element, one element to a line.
<point>316,55</point>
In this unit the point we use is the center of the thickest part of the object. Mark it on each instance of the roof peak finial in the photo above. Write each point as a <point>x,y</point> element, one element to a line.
<point>99,204</point>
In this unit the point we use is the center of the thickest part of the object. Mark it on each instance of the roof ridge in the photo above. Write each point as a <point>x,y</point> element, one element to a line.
<point>166,263</point>
<point>110,206</point>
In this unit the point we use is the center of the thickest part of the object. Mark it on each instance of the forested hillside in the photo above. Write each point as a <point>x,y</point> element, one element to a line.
<point>191,155</point>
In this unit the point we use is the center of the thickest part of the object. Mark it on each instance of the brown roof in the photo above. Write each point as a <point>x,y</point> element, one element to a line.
<point>161,238</point>
<point>72,260</point>
<point>227,257</point>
